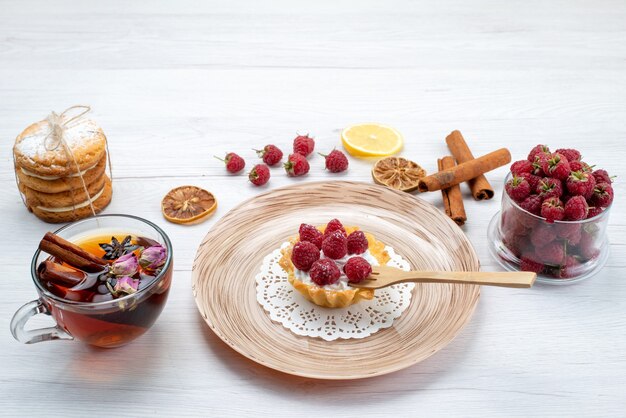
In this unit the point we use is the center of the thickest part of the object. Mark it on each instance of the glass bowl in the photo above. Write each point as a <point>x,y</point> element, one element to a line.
<point>561,252</point>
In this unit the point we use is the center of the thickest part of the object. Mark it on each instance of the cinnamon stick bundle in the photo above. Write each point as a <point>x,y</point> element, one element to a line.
<point>452,197</point>
<point>464,171</point>
<point>67,252</point>
<point>480,187</point>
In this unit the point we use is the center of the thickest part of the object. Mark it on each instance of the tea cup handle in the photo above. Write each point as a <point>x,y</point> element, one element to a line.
<point>32,336</point>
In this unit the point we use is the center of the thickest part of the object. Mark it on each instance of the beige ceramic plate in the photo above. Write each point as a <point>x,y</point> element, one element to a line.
<point>232,252</point>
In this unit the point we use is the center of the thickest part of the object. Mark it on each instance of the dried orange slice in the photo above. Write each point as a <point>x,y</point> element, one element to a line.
<point>186,204</point>
<point>398,173</point>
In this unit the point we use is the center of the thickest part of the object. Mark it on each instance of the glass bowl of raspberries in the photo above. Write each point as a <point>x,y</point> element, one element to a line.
<point>555,211</point>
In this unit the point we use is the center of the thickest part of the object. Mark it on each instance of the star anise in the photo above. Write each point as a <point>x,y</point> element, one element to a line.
<point>116,249</point>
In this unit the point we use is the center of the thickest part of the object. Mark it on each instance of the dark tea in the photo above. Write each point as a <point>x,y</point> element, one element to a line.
<point>116,275</point>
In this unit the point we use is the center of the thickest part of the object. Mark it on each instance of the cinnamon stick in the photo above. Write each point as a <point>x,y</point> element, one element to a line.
<point>67,252</point>
<point>480,187</point>
<point>464,171</point>
<point>452,197</point>
<point>49,271</point>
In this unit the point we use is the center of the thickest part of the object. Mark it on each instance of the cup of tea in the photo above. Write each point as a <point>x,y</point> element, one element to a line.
<point>104,280</point>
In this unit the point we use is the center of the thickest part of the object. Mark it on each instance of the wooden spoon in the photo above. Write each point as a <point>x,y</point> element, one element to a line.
<point>383,276</point>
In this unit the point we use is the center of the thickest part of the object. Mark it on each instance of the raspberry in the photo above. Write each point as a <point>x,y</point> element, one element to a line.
<point>556,166</point>
<point>335,245</point>
<point>587,247</point>
<point>324,272</point>
<point>552,253</point>
<point>580,183</point>
<point>311,234</point>
<point>234,163</point>
<point>304,254</point>
<point>259,175</point>
<point>538,150</point>
<point>579,166</point>
<point>530,264</point>
<point>357,269</point>
<point>296,165</point>
<point>517,188</point>
<point>569,153</point>
<point>532,204</point>
<point>271,154</point>
<point>538,164</point>
<point>549,187</point>
<point>335,225</point>
<point>532,180</point>
<point>552,209</point>
<point>357,243</point>
<point>516,243</point>
<point>542,235</point>
<point>602,195</point>
<point>571,268</point>
<point>593,211</point>
<point>303,145</point>
<point>575,209</point>
<point>602,176</point>
<point>521,166</point>
<point>570,231</point>
<point>336,161</point>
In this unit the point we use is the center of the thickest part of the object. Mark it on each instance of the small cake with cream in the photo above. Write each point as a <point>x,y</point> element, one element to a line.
<point>321,262</point>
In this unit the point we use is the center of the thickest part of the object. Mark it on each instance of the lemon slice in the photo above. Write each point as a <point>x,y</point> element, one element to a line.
<point>187,205</point>
<point>371,140</point>
<point>398,173</point>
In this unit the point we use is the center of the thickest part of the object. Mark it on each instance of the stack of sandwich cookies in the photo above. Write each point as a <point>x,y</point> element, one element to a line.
<point>62,181</point>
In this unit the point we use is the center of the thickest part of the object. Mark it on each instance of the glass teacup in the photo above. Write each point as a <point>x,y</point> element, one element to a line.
<point>104,324</point>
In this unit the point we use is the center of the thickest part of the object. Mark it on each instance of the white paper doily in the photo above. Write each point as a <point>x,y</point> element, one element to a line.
<point>287,306</point>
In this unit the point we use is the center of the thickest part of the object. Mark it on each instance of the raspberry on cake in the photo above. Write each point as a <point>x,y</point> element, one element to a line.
<point>325,280</point>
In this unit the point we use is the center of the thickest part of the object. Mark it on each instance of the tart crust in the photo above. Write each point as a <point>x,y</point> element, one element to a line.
<point>330,298</point>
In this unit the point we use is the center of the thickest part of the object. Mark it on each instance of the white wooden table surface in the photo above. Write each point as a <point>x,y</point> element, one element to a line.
<point>174,83</point>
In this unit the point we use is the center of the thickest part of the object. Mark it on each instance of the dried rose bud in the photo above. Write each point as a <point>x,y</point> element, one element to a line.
<point>126,285</point>
<point>152,257</point>
<point>126,265</point>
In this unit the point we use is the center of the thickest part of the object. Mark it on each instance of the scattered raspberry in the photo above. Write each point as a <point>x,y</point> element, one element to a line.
<point>517,188</point>
<point>532,204</point>
<point>324,272</point>
<point>594,211</point>
<point>580,183</point>
<point>552,253</point>
<point>311,234</point>
<point>259,175</point>
<point>336,161</point>
<point>234,163</point>
<point>532,180</point>
<point>304,254</point>
<point>538,150</point>
<point>552,209</point>
<point>271,154</point>
<point>542,235</point>
<point>530,264</point>
<point>357,269</point>
<point>549,187</point>
<point>569,153</point>
<point>296,165</point>
<point>303,145</point>
<point>602,195</point>
<point>521,166</point>
<point>556,166</point>
<point>602,176</point>
<point>335,245</point>
<point>335,225</point>
<point>357,243</point>
<point>575,209</point>
<point>579,166</point>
